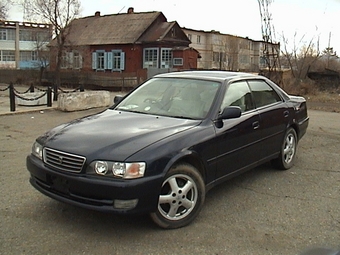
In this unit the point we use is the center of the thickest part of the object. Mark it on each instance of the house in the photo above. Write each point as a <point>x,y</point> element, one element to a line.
<point>23,45</point>
<point>228,52</point>
<point>125,43</point>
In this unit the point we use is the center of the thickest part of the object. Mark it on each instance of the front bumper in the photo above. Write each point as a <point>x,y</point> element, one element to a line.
<point>96,193</point>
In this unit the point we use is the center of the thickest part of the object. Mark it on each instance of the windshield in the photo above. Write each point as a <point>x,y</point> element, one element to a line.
<point>175,97</point>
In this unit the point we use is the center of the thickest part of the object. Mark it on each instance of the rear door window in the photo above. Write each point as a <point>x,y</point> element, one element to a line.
<point>263,94</point>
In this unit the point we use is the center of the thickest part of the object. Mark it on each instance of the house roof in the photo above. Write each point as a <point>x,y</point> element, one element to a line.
<point>124,28</point>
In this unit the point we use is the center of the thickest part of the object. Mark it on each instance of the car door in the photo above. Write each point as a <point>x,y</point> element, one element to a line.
<point>238,139</point>
<point>274,116</point>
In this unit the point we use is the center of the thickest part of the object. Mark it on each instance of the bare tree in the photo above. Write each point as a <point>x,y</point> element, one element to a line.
<point>40,38</point>
<point>302,56</point>
<point>58,13</point>
<point>4,7</point>
<point>270,54</point>
<point>231,48</point>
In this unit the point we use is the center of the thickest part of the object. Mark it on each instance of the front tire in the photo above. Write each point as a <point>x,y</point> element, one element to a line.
<point>288,151</point>
<point>181,199</point>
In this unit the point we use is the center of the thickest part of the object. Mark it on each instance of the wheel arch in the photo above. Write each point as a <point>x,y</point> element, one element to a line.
<point>296,128</point>
<point>191,158</point>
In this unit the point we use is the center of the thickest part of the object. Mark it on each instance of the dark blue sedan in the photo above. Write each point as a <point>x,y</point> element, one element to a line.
<point>160,148</point>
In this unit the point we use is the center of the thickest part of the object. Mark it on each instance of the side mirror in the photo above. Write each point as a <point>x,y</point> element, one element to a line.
<point>117,99</point>
<point>230,112</point>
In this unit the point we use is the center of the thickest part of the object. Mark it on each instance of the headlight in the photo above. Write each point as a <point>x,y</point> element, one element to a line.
<point>129,170</point>
<point>101,167</point>
<point>37,150</point>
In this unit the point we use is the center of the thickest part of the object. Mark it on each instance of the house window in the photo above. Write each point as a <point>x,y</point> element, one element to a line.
<point>198,39</point>
<point>117,57</point>
<point>7,34</point>
<point>7,55</point>
<point>11,34</point>
<point>41,36</point>
<point>76,60</point>
<point>166,58</point>
<point>219,56</point>
<point>25,35</point>
<point>150,58</point>
<point>189,37</point>
<point>173,32</point>
<point>64,60</point>
<point>3,34</point>
<point>178,61</point>
<point>113,60</point>
<point>71,60</point>
<point>101,60</point>
<point>34,55</point>
<point>28,55</point>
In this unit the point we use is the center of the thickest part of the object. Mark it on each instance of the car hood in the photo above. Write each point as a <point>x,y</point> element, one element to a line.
<point>112,134</point>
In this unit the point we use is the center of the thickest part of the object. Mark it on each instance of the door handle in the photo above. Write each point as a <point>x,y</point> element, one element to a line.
<point>285,114</point>
<point>256,125</point>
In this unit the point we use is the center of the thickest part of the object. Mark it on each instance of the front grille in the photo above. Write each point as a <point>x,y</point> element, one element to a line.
<point>63,161</point>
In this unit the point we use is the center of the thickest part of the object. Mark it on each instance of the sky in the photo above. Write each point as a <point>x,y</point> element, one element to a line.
<point>299,21</point>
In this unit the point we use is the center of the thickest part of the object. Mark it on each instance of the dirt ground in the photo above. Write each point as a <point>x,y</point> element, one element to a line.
<point>329,102</point>
<point>263,211</point>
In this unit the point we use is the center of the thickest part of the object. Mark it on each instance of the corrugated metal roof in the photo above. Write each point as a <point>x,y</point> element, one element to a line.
<point>110,29</point>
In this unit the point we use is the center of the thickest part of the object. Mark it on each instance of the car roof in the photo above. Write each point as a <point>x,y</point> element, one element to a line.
<point>214,75</point>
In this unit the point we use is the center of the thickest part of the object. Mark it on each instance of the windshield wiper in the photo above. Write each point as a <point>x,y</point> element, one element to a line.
<point>183,117</point>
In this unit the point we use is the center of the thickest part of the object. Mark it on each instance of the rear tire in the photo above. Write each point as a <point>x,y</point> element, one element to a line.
<point>181,199</point>
<point>288,151</point>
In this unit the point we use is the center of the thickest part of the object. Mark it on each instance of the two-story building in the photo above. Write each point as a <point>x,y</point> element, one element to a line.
<point>228,52</point>
<point>23,44</point>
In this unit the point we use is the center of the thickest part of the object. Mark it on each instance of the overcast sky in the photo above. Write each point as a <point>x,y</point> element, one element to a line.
<point>306,18</point>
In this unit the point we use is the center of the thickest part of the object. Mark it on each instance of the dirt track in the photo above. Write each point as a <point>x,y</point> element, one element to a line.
<point>324,106</point>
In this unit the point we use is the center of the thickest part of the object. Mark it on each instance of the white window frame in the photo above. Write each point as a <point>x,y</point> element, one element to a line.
<point>7,55</point>
<point>3,34</point>
<point>152,62</point>
<point>177,61</point>
<point>64,60</point>
<point>96,57</point>
<point>198,39</point>
<point>77,60</point>
<point>118,60</point>
<point>11,34</point>
<point>113,60</point>
<point>69,59</point>
<point>166,57</point>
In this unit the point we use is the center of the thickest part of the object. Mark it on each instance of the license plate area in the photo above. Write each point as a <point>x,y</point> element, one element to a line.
<point>59,184</point>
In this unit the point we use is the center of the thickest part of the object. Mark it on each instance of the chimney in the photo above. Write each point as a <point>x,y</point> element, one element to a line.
<point>97,14</point>
<point>130,10</point>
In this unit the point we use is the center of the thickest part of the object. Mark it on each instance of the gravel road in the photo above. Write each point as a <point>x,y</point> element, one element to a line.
<point>263,211</point>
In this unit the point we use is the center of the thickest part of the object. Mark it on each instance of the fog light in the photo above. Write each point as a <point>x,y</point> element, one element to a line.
<point>125,204</point>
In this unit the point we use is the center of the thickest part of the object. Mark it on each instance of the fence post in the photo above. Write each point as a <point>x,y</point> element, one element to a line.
<point>55,90</point>
<point>31,88</point>
<point>49,97</point>
<point>11,97</point>
<point>81,88</point>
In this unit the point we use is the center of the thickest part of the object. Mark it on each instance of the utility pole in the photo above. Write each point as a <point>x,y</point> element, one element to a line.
<point>329,49</point>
